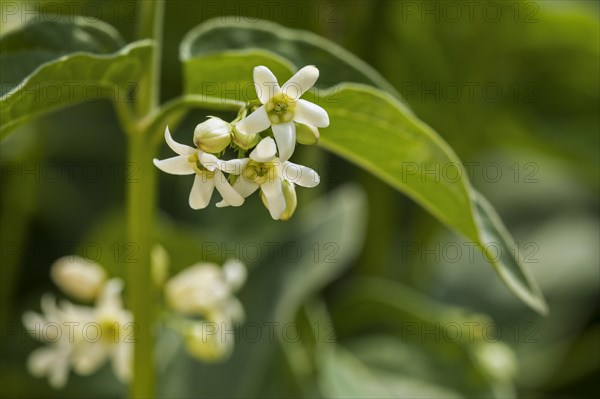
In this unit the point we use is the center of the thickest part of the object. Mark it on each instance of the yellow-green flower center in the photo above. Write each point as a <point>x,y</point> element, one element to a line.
<point>259,172</point>
<point>198,167</point>
<point>110,330</point>
<point>280,108</point>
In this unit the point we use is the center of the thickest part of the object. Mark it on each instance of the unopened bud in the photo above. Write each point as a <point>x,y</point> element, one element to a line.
<point>205,341</point>
<point>245,141</point>
<point>307,135</point>
<point>159,259</point>
<point>78,277</point>
<point>212,135</point>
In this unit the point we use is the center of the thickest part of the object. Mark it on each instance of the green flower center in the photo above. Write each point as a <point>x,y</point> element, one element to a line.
<point>198,167</point>
<point>280,108</point>
<point>110,330</point>
<point>259,172</point>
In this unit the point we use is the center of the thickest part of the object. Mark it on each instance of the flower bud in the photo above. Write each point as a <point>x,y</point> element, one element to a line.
<point>306,134</point>
<point>206,341</point>
<point>289,193</point>
<point>159,259</point>
<point>212,135</point>
<point>291,201</point>
<point>78,277</point>
<point>244,140</point>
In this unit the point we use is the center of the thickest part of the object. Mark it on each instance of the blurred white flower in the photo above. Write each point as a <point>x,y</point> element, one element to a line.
<point>78,277</point>
<point>80,337</point>
<point>206,290</point>
<point>282,106</point>
<point>275,178</point>
<point>208,171</point>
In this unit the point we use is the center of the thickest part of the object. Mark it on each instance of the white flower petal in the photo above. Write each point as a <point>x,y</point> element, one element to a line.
<point>233,166</point>
<point>202,190</point>
<point>303,80</point>
<point>178,165</point>
<point>34,324</point>
<point>310,114</point>
<point>180,149</point>
<point>209,161</point>
<point>109,301</point>
<point>299,174</point>
<point>285,135</point>
<point>235,273</point>
<point>42,360</point>
<point>59,373</point>
<point>234,309</point>
<point>89,357</point>
<point>121,361</point>
<point>256,122</point>
<point>274,196</point>
<point>264,151</point>
<point>232,197</point>
<point>244,187</point>
<point>266,83</point>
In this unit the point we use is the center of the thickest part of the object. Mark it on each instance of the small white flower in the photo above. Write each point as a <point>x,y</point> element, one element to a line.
<point>282,107</point>
<point>205,289</point>
<point>80,337</point>
<point>269,173</point>
<point>208,170</point>
<point>78,277</point>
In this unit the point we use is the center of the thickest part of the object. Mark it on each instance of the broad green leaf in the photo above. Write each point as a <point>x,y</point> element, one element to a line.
<point>374,130</point>
<point>344,375</point>
<point>25,49</point>
<point>201,76</point>
<point>56,80</point>
<point>369,128</point>
<point>430,339</point>
<point>335,63</point>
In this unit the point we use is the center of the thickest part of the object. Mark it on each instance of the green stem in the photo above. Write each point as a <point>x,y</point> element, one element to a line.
<point>141,211</point>
<point>151,27</point>
<point>141,205</point>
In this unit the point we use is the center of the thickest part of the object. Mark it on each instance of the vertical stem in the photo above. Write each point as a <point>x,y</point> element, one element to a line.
<point>141,211</point>
<point>141,207</point>
<point>151,27</point>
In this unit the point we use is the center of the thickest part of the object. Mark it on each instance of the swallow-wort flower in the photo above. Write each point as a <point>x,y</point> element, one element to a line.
<point>282,106</point>
<point>80,337</point>
<point>207,170</point>
<point>274,177</point>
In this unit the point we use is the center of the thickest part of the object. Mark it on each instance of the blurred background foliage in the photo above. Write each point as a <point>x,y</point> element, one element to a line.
<point>513,86</point>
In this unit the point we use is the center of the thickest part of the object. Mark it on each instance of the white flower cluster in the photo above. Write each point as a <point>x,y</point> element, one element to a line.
<point>206,290</point>
<point>83,338</point>
<point>282,115</point>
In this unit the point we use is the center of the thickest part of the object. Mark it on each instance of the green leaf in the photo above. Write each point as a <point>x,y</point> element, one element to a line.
<point>411,157</point>
<point>60,76</point>
<point>374,130</point>
<point>24,49</point>
<point>423,348</point>
<point>225,34</point>
<point>224,81</point>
